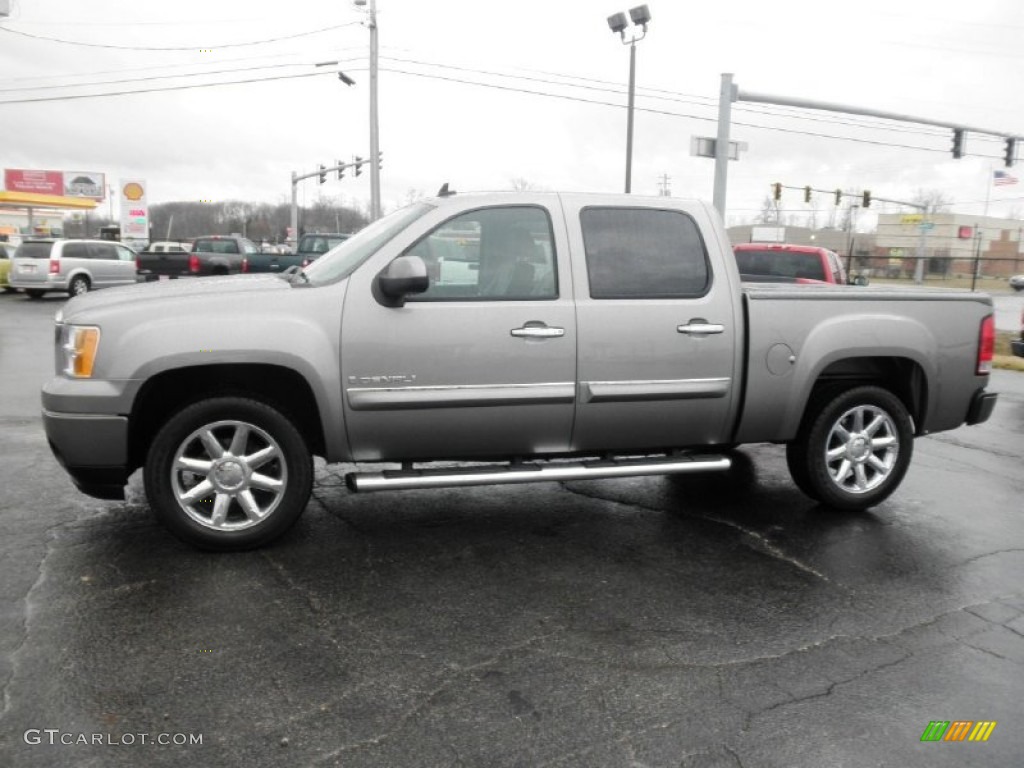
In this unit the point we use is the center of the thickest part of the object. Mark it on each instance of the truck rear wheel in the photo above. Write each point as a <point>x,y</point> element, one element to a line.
<point>853,448</point>
<point>228,473</point>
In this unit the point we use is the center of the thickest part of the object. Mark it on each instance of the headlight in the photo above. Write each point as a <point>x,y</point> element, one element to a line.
<point>79,345</point>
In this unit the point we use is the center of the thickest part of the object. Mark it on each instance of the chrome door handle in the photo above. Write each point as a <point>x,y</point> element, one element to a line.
<point>700,327</point>
<point>538,331</point>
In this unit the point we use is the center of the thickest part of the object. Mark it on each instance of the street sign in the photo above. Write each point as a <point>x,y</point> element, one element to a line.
<point>704,146</point>
<point>924,226</point>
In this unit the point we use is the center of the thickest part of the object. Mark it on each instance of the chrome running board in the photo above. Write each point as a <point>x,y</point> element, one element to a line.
<point>533,472</point>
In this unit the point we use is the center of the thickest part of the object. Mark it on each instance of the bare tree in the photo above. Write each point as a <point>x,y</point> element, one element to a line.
<point>934,200</point>
<point>519,184</point>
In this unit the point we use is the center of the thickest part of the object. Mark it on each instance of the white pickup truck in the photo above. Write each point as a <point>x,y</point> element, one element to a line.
<point>525,337</point>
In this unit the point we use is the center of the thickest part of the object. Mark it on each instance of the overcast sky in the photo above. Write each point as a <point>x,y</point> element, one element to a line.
<point>551,110</point>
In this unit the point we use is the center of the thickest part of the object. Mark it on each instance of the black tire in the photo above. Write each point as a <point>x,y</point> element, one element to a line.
<point>79,284</point>
<point>233,505</point>
<point>868,464</point>
<point>33,293</point>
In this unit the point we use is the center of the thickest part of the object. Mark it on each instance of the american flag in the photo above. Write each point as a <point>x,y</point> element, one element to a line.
<point>1002,178</point>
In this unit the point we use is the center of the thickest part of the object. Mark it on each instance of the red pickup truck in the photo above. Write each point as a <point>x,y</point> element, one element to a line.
<point>783,263</point>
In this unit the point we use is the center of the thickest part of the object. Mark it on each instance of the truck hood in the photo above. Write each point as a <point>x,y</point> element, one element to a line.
<point>160,290</point>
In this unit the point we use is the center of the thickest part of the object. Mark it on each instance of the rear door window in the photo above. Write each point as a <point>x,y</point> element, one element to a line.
<point>76,251</point>
<point>105,251</point>
<point>643,253</point>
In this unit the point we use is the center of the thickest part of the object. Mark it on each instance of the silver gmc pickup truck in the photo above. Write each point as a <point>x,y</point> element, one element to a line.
<point>515,338</point>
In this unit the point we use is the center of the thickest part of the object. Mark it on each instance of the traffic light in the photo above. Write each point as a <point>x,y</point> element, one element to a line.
<point>323,174</point>
<point>380,159</point>
<point>958,143</point>
<point>1011,151</point>
<point>807,194</point>
<point>839,197</point>
<point>341,169</point>
<point>776,191</point>
<point>866,200</point>
<point>357,161</point>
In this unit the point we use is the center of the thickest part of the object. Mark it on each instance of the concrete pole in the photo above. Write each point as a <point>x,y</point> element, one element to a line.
<point>375,211</point>
<point>726,96</point>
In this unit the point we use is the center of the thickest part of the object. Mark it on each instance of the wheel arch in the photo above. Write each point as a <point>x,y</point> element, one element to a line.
<point>169,391</point>
<point>902,376</point>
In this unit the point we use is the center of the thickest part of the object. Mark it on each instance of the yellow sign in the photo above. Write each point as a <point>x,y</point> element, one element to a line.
<point>912,218</point>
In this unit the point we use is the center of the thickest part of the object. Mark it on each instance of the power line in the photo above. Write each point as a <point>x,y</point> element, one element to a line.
<point>151,78</point>
<point>10,31</point>
<point>74,97</point>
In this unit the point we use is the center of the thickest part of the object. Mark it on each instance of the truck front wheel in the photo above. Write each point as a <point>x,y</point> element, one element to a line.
<point>853,448</point>
<point>228,473</point>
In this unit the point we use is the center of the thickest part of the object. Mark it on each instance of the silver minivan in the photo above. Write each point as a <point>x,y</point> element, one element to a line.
<point>74,266</point>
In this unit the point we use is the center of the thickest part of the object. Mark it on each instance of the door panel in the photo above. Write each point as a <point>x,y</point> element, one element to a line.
<point>477,367</point>
<point>657,338</point>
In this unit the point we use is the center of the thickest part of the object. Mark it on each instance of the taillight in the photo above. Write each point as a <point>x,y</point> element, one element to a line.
<point>306,262</point>
<point>986,345</point>
<point>193,264</point>
<point>245,264</point>
<point>54,267</point>
<point>138,266</point>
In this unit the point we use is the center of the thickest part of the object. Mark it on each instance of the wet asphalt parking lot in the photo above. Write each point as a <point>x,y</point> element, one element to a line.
<point>708,621</point>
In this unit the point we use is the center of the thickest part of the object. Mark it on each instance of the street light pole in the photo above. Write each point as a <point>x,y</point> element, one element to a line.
<point>640,17</point>
<point>629,118</point>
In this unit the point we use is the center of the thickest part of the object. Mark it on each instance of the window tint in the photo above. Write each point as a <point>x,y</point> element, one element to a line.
<point>643,253</point>
<point>215,246</point>
<point>76,251</point>
<point>780,264</point>
<point>33,251</point>
<point>491,253</point>
<point>103,251</point>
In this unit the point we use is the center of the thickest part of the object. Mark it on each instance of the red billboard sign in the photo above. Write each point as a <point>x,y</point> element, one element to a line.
<point>34,182</point>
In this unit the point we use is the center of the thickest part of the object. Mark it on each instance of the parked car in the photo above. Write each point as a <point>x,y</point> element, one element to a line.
<point>600,336</point>
<point>169,246</point>
<point>6,254</point>
<point>1017,345</point>
<point>41,266</point>
<point>211,255</point>
<point>1017,283</point>
<point>312,246</point>
<point>784,263</point>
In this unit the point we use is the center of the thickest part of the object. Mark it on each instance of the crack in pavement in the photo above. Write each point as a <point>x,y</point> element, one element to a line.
<point>443,685</point>
<point>827,692</point>
<point>760,543</point>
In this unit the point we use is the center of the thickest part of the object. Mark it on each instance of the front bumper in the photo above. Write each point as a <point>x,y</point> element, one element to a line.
<point>92,448</point>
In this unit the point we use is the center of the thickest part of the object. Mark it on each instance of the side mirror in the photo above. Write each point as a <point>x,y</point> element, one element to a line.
<point>403,276</point>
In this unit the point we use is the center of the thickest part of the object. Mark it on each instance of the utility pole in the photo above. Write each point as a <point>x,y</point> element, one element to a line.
<point>663,185</point>
<point>374,125</point>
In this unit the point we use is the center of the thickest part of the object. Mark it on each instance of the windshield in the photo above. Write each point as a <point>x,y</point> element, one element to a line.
<point>343,258</point>
<point>772,263</point>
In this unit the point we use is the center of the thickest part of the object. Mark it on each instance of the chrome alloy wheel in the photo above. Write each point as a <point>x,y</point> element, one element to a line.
<point>229,475</point>
<point>862,448</point>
